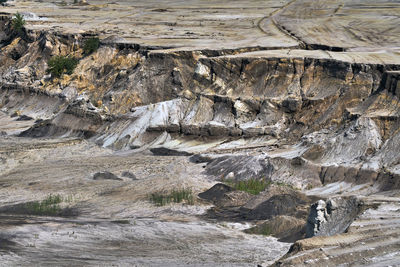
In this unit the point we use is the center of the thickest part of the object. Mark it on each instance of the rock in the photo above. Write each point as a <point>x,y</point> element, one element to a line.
<point>128,174</point>
<point>244,167</point>
<point>105,176</point>
<point>216,193</point>
<point>230,175</point>
<point>16,114</point>
<point>244,112</point>
<point>24,118</point>
<point>188,94</point>
<point>163,151</point>
<point>217,129</point>
<point>233,131</point>
<point>291,105</point>
<point>69,93</point>
<point>198,158</point>
<point>332,217</point>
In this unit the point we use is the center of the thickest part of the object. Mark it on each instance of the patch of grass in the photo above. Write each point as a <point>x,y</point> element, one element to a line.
<point>252,186</point>
<point>59,65</point>
<point>175,196</point>
<point>18,23</point>
<point>49,206</point>
<point>91,45</point>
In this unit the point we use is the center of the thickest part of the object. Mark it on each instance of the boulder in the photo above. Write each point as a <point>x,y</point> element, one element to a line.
<point>163,151</point>
<point>128,174</point>
<point>105,176</point>
<point>333,216</point>
<point>24,118</point>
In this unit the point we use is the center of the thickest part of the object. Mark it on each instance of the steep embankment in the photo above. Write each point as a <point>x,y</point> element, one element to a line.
<point>336,111</point>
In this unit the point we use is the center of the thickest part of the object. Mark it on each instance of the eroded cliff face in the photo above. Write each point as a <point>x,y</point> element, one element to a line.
<point>318,117</point>
<point>336,112</point>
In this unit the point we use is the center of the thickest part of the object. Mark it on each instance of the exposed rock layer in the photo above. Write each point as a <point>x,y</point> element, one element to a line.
<point>307,97</point>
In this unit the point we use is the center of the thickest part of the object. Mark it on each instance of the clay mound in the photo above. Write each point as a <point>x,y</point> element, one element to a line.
<point>274,190</point>
<point>216,192</point>
<point>276,205</point>
<point>224,196</point>
<point>286,228</point>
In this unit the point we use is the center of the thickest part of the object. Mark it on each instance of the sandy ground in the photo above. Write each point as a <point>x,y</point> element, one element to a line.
<point>116,223</point>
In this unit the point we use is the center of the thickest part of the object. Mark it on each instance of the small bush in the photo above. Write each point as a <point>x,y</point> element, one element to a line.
<point>91,45</point>
<point>18,23</point>
<point>176,196</point>
<point>48,206</point>
<point>252,186</point>
<point>59,65</point>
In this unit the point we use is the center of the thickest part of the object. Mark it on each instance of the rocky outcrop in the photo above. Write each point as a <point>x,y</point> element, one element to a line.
<point>333,216</point>
<point>340,115</point>
<point>239,168</point>
<point>370,238</point>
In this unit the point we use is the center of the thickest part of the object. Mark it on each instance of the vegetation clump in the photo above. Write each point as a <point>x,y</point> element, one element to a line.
<point>252,186</point>
<point>49,206</point>
<point>60,65</point>
<point>18,23</point>
<point>175,196</point>
<point>91,45</point>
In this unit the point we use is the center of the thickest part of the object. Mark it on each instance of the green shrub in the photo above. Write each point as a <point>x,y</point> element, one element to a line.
<point>18,23</point>
<point>59,65</point>
<point>176,196</point>
<point>91,45</point>
<point>252,186</point>
<point>49,206</point>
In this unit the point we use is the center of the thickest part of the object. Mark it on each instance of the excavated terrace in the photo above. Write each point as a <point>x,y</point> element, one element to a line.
<point>189,95</point>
